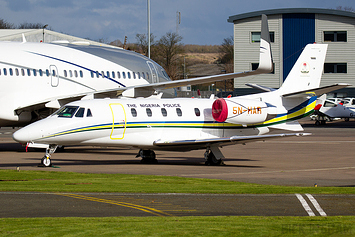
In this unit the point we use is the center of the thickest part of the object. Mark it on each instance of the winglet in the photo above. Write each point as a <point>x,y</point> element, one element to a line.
<point>265,59</point>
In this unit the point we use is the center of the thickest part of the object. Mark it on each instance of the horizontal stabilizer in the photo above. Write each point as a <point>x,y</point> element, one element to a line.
<point>290,126</point>
<point>263,88</point>
<point>318,91</point>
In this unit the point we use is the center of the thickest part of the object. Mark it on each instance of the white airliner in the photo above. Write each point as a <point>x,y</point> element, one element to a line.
<point>183,124</point>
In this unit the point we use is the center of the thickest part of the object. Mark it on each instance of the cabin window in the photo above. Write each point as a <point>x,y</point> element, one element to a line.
<point>129,75</point>
<point>138,75</point>
<point>164,112</point>
<point>118,75</point>
<point>67,111</point>
<point>102,74</point>
<point>143,75</point>
<point>149,112</point>
<point>75,73</point>
<point>81,74</point>
<point>28,72</point>
<point>92,74</point>
<point>134,75</point>
<point>147,75</point>
<point>65,73</point>
<point>80,113</point>
<point>97,74</point>
<point>197,112</point>
<point>134,112</point>
<point>16,72</point>
<point>53,73</point>
<point>23,72</point>
<point>124,75</point>
<point>41,72</point>
<point>34,72</point>
<point>178,112</point>
<point>47,72</point>
<point>88,113</point>
<point>10,71</point>
<point>113,74</point>
<point>5,72</point>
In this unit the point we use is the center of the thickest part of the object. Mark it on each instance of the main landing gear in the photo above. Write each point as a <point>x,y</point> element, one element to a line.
<point>46,160</point>
<point>213,156</point>
<point>148,156</point>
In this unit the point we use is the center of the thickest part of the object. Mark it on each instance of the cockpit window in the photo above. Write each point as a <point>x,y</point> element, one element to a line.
<point>88,113</point>
<point>80,113</point>
<point>67,111</point>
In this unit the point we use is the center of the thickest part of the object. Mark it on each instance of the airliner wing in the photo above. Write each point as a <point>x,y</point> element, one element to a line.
<point>201,143</point>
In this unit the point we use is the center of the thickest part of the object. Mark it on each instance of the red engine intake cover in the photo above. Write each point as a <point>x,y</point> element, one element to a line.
<point>220,110</point>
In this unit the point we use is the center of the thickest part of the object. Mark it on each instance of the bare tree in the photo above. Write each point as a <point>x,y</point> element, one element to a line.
<point>348,9</point>
<point>6,25</point>
<point>226,50</point>
<point>142,43</point>
<point>166,53</point>
<point>27,25</point>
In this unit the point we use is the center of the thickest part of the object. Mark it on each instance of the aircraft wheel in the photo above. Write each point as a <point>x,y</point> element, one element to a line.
<point>148,157</point>
<point>46,161</point>
<point>212,160</point>
<point>317,122</point>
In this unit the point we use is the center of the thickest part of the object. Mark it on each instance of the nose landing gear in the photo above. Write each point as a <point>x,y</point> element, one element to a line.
<point>46,160</point>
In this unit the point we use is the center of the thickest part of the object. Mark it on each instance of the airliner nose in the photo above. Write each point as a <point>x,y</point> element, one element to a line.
<point>22,135</point>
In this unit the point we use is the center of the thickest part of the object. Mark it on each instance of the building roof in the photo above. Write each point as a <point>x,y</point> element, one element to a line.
<point>291,10</point>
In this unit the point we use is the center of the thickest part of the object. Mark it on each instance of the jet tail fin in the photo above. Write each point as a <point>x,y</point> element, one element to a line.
<point>307,71</point>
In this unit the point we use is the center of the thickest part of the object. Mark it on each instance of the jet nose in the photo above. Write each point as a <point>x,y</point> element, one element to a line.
<point>22,136</point>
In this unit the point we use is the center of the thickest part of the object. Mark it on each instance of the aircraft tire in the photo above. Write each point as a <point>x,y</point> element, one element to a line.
<point>212,160</point>
<point>46,162</point>
<point>148,157</point>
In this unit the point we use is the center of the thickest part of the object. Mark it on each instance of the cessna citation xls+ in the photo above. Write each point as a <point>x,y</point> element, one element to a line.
<point>183,124</point>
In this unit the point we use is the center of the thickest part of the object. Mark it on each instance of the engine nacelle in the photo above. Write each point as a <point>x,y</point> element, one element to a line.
<point>239,111</point>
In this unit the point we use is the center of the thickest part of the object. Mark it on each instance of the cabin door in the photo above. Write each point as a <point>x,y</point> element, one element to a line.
<point>153,72</point>
<point>118,121</point>
<point>54,75</point>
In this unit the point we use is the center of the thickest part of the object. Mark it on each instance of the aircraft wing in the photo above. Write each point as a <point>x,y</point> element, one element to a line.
<point>201,143</point>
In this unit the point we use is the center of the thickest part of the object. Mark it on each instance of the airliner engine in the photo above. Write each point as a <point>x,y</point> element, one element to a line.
<point>239,111</point>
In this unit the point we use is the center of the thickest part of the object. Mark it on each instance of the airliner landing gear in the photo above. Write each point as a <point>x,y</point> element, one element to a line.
<point>148,156</point>
<point>213,156</point>
<point>46,160</point>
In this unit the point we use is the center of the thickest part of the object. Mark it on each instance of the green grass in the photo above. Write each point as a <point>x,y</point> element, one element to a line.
<point>44,181</point>
<point>179,226</point>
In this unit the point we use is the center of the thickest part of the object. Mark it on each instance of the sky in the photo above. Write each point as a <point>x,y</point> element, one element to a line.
<point>203,22</point>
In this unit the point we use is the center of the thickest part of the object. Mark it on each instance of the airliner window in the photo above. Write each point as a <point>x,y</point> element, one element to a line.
<point>113,74</point>
<point>75,73</point>
<point>164,112</point>
<point>124,75</point>
<point>197,112</point>
<point>88,113</point>
<point>28,72</point>
<point>81,73</point>
<point>134,75</point>
<point>92,74</point>
<point>108,74</point>
<point>129,75</point>
<point>149,112</point>
<point>47,73</point>
<point>80,113</point>
<point>41,72</point>
<point>16,71</point>
<point>10,71</point>
<point>134,112</point>
<point>67,111</point>
<point>143,75</point>
<point>178,112</point>
<point>53,73</point>
<point>5,72</point>
<point>102,74</point>
<point>34,72</point>
<point>97,74</point>
<point>147,75</point>
<point>139,75</point>
<point>23,72</point>
<point>118,75</point>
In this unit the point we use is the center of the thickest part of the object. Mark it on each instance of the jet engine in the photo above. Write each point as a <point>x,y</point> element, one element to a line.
<point>239,111</point>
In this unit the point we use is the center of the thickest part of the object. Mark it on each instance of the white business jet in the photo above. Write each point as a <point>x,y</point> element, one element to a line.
<point>183,124</point>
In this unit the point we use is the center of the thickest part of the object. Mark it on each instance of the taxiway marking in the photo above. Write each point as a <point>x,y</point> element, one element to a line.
<point>307,208</point>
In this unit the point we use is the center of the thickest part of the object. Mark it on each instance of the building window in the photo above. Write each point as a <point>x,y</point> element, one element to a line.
<point>255,37</point>
<point>335,36</point>
<point>255,66</point>
<point>335,68</point>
